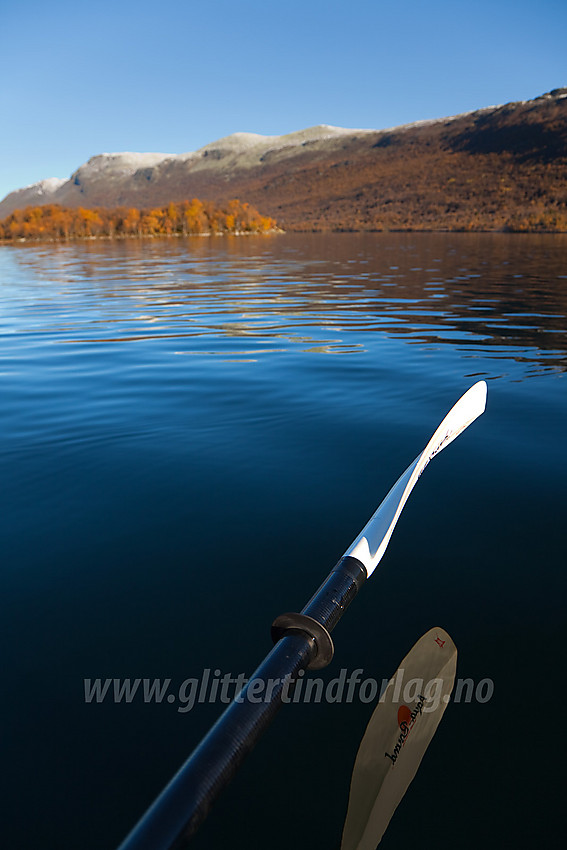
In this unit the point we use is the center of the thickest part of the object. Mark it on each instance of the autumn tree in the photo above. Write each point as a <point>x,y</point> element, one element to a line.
<point>186,218</point>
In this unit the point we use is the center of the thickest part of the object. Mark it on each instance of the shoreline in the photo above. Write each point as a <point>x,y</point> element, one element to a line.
<point>277,231</point>
<point>123,237</point>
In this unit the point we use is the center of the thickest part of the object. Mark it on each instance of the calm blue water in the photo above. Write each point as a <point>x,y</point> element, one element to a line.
<point>191,435</point>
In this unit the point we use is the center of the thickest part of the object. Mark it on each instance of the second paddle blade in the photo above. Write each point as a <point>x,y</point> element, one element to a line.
<point>397,736</point>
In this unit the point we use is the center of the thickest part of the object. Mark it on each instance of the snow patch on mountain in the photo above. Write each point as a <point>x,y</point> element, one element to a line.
<point>36,193</point>
<point>243,142</point>
<point>118,164</point>
<point>247,150</point>
<point>47,186</point>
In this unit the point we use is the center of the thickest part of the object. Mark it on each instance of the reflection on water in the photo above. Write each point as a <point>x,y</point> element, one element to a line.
<point>502,295</point>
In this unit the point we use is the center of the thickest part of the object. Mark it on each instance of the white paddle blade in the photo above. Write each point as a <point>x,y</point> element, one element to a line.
<point>397,736</point>
<point>371,543</point>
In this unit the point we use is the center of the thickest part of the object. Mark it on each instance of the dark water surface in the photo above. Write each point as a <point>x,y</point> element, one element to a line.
<point>191,435</point>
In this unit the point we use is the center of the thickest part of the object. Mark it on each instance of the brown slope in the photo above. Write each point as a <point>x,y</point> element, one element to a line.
<point>489,170</point>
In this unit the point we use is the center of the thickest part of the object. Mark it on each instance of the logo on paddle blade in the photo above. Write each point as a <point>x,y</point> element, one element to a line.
<point>406,722</point>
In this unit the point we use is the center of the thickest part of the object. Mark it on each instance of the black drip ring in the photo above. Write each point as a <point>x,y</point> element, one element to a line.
<point>290,624</point>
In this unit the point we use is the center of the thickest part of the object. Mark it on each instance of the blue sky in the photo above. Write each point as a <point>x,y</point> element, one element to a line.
<point>80,79</point>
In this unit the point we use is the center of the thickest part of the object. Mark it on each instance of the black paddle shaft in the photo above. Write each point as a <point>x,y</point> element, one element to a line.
<point>183,805</point>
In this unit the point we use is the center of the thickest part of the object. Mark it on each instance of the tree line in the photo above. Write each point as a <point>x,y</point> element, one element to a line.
<point>195,217</point>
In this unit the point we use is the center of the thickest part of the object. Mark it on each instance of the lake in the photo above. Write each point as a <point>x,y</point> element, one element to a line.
<point>193,432</point>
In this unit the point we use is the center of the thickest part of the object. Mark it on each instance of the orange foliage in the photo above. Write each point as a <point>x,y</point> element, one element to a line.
<point>188,217</point>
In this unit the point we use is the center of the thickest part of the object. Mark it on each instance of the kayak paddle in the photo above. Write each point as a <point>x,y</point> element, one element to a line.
<point>302,641</point>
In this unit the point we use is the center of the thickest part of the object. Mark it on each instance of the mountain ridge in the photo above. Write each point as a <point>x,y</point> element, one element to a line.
<point>491,168</point>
